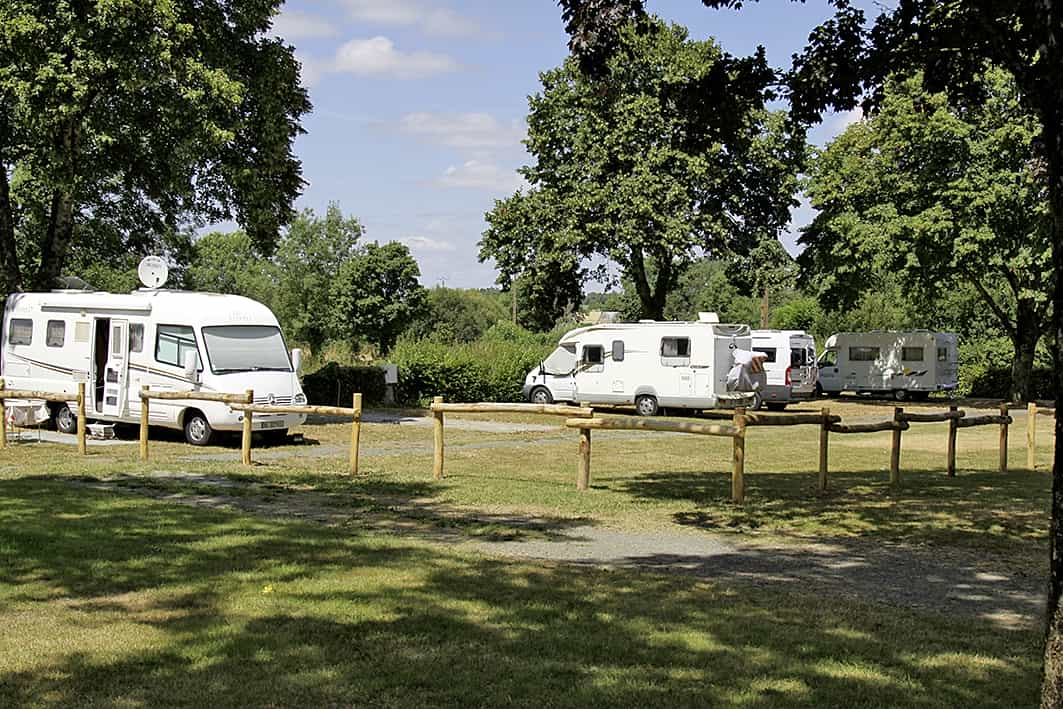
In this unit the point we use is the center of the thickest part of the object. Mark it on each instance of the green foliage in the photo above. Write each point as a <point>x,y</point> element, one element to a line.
<point>376,294</point>
<point>627,171</point>
<point>228,263</point>
<point>986,369</point>
<point>801,313</point>
<point>333,384</point>
<point>460,315</point>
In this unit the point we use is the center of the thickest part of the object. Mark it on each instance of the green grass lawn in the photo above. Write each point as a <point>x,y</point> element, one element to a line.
<point>114,599</point>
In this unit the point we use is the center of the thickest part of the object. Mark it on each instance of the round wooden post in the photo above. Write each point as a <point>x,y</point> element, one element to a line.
<point>3,418</point>
<point>144,414</point>
<point>954,425</point>
<point>895,448</point>
<point>824,435</point>
<point>356,432</point>
<point>437,462</point>
<point>1031,436</point>
<point>738,471</point>
<point>245,439</point>
<point>1003,438</point>
<point>82,447</point>
<point>583,482</point>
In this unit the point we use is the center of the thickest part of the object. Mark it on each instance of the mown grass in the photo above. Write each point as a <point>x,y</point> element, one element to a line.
<point>120,600</point>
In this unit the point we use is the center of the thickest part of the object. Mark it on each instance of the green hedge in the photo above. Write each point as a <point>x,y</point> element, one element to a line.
<point>985,370</point>
<point>490,369</point>
<point>333,384</point>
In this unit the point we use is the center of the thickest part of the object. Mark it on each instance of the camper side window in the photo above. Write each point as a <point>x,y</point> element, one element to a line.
<point>56,333</point>
<point>20,332</point>
<point>863,354</point>
<point>136,337</point>
<point>172,342</point>
<point>675,351</point>
<point>618,350</point>
<point>911,354</point>
<point>768,352</point>
<point>593,354</point>
<point>829,358</point>
<point>943,354</point>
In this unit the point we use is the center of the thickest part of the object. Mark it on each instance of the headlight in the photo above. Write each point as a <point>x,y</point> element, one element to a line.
<point>299,399</point>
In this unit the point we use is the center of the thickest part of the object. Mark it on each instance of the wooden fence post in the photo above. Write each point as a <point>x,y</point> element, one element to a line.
<point>437,463</point>
<point>1003,438</point>
<point>356,432</point>
<point>954,425</point>
<point>738,471</point>
<point>144,414</point>
<point>824,437</point>
<point>245,439</point>
<point>3,418</point>
<point>1031,436</point>
<point>82,424</point>
<point>583,482</point>
<point>895,448</point>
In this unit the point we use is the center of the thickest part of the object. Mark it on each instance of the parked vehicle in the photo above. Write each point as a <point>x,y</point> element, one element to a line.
<point>908,364</point>
<point>653,365</point>
<point>168,340</point>
<point>790,365</point>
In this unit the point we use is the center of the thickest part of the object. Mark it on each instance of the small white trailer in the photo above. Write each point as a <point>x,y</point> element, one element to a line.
<point>168,340</point>
<point>790,363</point>
<point>653,365</point>
<point>902,364</point>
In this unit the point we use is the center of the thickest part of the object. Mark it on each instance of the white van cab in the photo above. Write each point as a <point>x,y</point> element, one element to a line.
<point>167,340</point>
<point>790,365</point>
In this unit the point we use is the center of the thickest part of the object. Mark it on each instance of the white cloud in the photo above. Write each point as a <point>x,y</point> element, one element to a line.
<point>378,57</point>
<point>482,176</point>
<point>466,131</point>
<point>423,243</point>
<point>310,69</point>
<point>437,21</point>
<point>293,25</point>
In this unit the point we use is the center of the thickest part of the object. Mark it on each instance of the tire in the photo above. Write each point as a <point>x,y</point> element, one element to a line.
<point>197,429</point>
<point>775,405</point>
<point>65,420</point>
<point>541,395</point>
<point>819,390</point>
<point>646,405</point>
<point>758,401</point>
<point>900,395</point>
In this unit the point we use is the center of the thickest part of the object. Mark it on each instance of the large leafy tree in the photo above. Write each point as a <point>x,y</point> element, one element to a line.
<point>942,195</point>
<point>671,156</point>
<point>950,41</point>
<point>136,117</point>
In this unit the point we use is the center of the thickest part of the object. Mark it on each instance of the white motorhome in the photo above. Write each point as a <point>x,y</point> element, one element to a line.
<point>908,364</point>
<point>790,363</point>
<point>168,340</point>
<point>652,365</point>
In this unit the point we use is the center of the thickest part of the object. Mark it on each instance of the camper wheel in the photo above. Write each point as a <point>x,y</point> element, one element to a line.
<point>197,429</point>
<point>646,405</point>
<point>541,395</point>
<point>65,420</point>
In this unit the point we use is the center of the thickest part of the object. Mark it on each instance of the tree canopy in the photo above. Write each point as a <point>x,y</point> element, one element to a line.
<point>672,156</point>
<point>136,118</point>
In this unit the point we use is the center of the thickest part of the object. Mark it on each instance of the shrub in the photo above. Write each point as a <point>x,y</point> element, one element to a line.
<point>334,383</point>
<point>985,370</point>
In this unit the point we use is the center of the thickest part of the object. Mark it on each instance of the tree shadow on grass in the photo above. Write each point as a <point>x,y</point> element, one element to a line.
<point>150,604</point>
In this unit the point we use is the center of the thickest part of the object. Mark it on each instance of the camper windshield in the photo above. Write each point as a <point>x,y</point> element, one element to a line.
<point>561,361</point>
<point>246,348</point>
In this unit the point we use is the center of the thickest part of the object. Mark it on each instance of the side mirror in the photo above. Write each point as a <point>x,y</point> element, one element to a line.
<point>297,359</point>
<point>191,365</point>
<point>542,369</point>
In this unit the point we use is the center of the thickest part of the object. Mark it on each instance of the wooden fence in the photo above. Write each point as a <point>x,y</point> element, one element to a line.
<point>245,403</point>
<point>50,396</point>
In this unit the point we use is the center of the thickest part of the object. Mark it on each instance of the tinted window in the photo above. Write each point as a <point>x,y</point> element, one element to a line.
<point>593,354</point>
<point>769,352</point>
<point>911,354</point>
<point>56,334</point>
<point>863,354</point>
<point>173,342</point>
<point>618,350</point>
<point>798,358</point>
<point>136,337</point>
<point>20,332</point>
<point>675,347</point>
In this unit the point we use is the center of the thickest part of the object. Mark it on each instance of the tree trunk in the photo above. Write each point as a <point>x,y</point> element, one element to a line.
<point>10,273</point>
<point>1024,340</point>
<point>1052,685</point>
<point>764,310</point>
<point>56,244</point>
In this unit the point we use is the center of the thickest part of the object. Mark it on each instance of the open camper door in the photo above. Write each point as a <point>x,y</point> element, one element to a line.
<point>115,372</point>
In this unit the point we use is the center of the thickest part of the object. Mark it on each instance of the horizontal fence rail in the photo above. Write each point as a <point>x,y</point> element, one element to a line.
<point>49,396</point>
<point>498,408</point>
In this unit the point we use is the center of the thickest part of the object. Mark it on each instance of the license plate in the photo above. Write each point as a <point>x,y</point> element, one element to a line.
<point>270,424</point>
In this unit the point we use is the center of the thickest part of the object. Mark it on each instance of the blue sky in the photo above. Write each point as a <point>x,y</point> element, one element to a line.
<point>419,106</point>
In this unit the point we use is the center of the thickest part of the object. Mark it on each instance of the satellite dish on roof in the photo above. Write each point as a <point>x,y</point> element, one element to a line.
<point>153,272</point>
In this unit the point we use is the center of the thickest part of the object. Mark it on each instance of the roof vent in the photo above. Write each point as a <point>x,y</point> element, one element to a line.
<point>708,317</point>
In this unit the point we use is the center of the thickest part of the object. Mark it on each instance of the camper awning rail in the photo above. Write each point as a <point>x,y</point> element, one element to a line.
<point>96,307</point>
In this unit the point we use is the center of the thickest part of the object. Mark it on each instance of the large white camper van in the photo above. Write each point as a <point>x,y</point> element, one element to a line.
<point>652,365</point>
<point>908,364</point>
<point>168,340</point>
<point>790,363</point>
